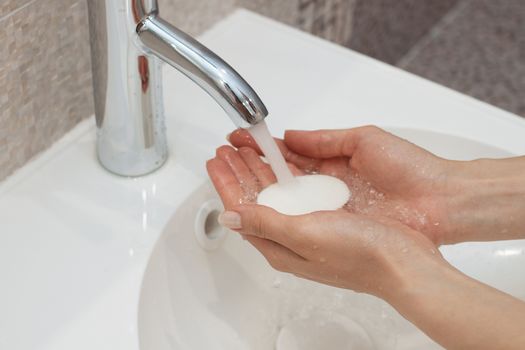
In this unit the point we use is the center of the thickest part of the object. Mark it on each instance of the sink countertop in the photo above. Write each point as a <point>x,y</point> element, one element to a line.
<point>76,239</point>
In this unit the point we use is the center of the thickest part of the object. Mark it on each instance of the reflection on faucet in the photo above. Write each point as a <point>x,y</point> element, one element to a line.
<point>128,42</point>
<point>144,73</point>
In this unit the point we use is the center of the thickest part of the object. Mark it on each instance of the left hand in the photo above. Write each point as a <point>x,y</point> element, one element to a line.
<point>338,248</point>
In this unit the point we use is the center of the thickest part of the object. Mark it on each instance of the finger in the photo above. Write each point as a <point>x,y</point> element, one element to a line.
<point>279,257</point>
<point>266,223</point>
<point>225,182</point>
<point>239,168</point>
<point>295,170</point>
<point>326,143</point>
<point>337,167</point>
<point>260,169</point>
<point>242,138</point>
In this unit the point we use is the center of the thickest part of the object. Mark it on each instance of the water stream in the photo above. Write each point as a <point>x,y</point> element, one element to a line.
<point>271,151</point>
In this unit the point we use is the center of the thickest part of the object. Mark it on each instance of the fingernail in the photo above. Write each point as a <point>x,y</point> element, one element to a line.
<point>230,219</point>
<point>228,137</point>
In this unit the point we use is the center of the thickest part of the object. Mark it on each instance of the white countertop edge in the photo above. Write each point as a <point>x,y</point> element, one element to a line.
<point>41,159</point>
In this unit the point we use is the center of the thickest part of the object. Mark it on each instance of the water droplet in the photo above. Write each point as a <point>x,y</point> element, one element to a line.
<point>322,260</point>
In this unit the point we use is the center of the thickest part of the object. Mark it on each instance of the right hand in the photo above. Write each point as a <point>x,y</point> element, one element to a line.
<point>387,175</point>
<point>448,201</point>
<point>338,248</point>
<point>373,255</point>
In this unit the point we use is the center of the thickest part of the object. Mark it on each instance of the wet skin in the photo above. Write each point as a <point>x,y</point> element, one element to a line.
<point>384,242</point>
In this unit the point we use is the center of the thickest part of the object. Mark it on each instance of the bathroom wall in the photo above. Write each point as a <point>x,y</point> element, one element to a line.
<point>475,46</point>
<point>478,48</point>
<point>387,29</point>
<point>330,19</point>
<point>45,77</point>
<point>45,68</point>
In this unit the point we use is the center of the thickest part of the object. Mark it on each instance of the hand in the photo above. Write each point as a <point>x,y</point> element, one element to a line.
<point>391,261</point>
<point>338,248</point>
<point>367,251</point>
<point>388,176</point>
<point>448,201</point>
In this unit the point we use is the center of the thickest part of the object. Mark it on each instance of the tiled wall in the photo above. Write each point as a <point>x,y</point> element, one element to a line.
<point>387,29</point>
<point>479,49</point>
<point>475,46</point>
<point>45,69</point>
<point>45,78</point>
<point>330,19</point>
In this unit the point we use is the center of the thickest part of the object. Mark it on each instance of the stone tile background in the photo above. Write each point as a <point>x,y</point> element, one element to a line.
<point>45,67</point>
<point>8,6</point>
<point>45,77</point>
<point>478,49</point>
<point>474,46</point>
<point>387,29</point>
<point>330,19</point>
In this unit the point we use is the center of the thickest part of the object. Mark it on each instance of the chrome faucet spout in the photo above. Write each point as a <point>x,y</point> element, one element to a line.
<point>205,68</point>
<point>128,43</point>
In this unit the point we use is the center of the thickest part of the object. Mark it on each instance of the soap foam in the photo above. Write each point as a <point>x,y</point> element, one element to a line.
<point>306,194</point>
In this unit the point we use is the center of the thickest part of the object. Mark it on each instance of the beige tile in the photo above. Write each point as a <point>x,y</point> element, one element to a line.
<point>8,6</point>
<point>387,29</point>
<point>45,78</point>
<point>479,50</point>
<point>329,19</point>
<point>195,16</point>
<point>45,71</point>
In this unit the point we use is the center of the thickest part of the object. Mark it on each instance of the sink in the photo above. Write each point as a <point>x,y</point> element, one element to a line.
<point>106,262</point>
<point>224,295</point>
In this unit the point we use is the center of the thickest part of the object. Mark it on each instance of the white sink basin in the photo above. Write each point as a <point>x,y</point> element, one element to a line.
<point>230,298</point>
<point>90,260</point>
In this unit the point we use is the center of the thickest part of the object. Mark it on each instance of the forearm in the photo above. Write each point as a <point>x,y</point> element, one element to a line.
<point>461,313</point>
<point>486,200</point>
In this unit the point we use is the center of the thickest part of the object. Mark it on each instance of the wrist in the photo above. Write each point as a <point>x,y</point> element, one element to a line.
<point>414,275</point>
<point>485,200</point>
<point>457,311</point>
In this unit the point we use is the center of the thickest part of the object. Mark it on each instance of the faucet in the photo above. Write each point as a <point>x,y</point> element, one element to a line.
<point>129,42</point>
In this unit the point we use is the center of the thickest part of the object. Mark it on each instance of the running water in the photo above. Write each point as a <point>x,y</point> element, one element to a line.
<point>273,155</point>
<point>296,196</point>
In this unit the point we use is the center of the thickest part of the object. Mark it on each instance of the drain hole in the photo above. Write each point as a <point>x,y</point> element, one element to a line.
<point>208,232</point>
<point>212,229</point>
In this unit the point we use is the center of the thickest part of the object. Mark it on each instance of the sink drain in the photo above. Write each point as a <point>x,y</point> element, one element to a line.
<point>326,332</point>
<point>208,232</point>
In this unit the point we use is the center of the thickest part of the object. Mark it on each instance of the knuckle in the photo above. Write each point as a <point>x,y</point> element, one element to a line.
<point>370,128</point>
<point>259,228</point>
<point>325,143</point>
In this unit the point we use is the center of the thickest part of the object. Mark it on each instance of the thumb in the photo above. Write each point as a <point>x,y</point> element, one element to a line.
<point>326,143</point>
<point>263,222</point>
